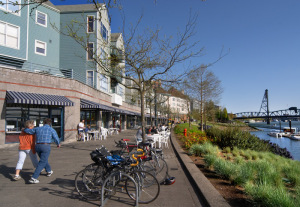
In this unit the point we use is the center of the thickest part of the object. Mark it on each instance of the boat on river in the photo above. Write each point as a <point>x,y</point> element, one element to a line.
<point>276,133</point>
<point>287,131</point>
<point>295,137</point>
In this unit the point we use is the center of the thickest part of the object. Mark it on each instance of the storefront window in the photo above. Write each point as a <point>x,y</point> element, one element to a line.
<point>90,118</point>
<point>16,116</point>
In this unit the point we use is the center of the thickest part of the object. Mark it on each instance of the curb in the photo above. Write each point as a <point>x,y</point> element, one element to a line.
<point>207,191</point>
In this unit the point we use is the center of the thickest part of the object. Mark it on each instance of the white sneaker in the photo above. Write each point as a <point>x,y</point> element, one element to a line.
<point>49,173</point>
<point>17,177</point>
<point>34,181</point>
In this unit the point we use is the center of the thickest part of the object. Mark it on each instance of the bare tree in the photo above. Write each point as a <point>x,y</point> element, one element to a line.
<point>150,58</point>
<point>149,55</point>
<point>203,85</point>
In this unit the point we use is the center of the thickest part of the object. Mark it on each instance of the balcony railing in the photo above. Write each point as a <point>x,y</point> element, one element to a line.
<point>58,72</point>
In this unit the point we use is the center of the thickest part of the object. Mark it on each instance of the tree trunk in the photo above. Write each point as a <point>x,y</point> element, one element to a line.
<point>143,115</point>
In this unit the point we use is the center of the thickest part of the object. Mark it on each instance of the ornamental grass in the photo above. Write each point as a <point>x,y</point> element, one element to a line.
<point>270,180</point>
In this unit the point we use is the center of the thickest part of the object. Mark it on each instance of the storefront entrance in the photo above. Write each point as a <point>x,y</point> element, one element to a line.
<point>56,115</point>
<point>16,116</point>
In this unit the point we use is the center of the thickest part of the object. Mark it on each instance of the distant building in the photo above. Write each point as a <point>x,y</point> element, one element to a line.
<point>179,104</point>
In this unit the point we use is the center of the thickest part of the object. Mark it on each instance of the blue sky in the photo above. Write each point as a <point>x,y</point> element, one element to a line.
<point>263,37</point>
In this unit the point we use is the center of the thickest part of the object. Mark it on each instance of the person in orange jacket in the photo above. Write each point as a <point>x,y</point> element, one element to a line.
<point>27,146</point>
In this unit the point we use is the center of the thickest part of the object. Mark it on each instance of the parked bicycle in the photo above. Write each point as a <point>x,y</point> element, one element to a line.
<point>111,173</point>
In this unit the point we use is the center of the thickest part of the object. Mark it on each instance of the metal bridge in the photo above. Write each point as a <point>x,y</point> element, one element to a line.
<point>264,112</point>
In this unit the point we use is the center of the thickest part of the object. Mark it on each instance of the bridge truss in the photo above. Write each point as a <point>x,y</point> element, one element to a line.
<point>264,112</point>
<point>273,114</point>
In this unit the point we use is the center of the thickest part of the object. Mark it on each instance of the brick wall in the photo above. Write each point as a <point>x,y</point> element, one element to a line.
<point>22,81</point>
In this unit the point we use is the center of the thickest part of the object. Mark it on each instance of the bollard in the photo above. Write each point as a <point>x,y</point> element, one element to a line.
<point>185,132</point>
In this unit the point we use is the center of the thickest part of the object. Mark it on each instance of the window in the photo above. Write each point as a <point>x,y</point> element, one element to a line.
<point>103,58</point>
<point>103,83</point>
<point>90,118</point>
<point>40,47</point>
<point>15,120</point>
<point>104,32</point>
<point>90,78</point>
<point>9,35</point>
<point>90,50</point>
<point>120,91</point>
<point>10,7</point>
<point>90,24</point>
<point>41,18</point>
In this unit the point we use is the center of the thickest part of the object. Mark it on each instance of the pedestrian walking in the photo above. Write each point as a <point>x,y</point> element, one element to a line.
<point>26,147</point>
<point>44,135</point>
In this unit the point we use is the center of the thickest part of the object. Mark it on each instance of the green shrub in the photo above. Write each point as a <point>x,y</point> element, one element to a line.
<point>227,150</point>
<point>266,173</point>
<point>267,195</point>
<point>208,148</point>
<point>234,137</point>
<point>196,149</point>
<point>224,168</point>
<point>210,160</point>
<point>292,173</point>
<point>235,152</point>
<point>244,174</point>
<point>239,159</point>
<point>254,155</point>
<point>248,156</point>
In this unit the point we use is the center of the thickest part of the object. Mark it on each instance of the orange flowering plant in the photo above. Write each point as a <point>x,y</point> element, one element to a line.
<point>193,138</point>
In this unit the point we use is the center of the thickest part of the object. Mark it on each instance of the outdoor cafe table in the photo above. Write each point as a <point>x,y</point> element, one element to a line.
<point>155,138</point>
<point>94,134</point>
<point>114,130</point>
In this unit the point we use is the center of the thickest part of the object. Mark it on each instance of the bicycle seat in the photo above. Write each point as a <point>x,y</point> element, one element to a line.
<point>125,140</point>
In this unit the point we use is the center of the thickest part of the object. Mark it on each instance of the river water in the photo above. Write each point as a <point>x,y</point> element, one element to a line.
<point>292,146</point>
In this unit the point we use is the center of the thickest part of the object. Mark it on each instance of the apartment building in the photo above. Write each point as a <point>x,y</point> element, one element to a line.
<point>46,73</point>
<point>179,104</point>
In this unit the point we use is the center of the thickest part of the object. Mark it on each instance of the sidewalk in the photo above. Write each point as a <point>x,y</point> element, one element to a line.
<point>59,190</point>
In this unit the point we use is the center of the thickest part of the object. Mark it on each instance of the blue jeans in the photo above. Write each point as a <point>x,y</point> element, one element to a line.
<point>43,150</point>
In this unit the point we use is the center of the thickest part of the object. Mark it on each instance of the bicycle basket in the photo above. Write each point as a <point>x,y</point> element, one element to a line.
<point>96,156</point>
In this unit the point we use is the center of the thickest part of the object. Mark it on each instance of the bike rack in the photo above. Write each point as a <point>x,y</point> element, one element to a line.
<point>112,176</point>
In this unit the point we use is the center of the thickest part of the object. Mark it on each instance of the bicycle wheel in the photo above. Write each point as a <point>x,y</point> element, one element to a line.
<point>160,166</point>
<point>162,170</point>
<point>88,182</point>
<point>149,187</point>
<point>115,184</point>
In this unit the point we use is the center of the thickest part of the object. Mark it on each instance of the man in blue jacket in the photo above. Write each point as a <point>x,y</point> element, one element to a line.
<point>44,135</point>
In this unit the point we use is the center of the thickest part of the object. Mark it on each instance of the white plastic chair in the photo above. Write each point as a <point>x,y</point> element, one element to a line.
<point>165,141</point>
<point>83,136</point>
<point>104,133</point>
<point>153,140</point>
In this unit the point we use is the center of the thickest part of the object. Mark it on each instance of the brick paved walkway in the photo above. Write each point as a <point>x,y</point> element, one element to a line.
<point>58,190</point>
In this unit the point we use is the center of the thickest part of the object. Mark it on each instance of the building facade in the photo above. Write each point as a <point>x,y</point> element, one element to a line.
<point>45,73</point>
<point>179,105</point>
